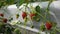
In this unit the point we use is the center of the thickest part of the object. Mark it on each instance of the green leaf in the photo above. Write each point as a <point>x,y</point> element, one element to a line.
<point>17,31</point>
<point>42,27</point>
<point>32,26</point>
<point>20,2</point>
<point>53,32</point>
<point>9,2</point>
<point>44,0</point>
<point>10,19</point>
<point>36,18</point>
<point>31,0</point>
<point>8,30</point>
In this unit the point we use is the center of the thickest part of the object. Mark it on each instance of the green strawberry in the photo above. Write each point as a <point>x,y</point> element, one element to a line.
<point>17,15</point>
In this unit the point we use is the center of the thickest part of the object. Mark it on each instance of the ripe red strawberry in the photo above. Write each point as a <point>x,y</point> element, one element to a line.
<point>24,14</point>
<point>32,15</point>
<point>5,20</point>
<point>1,15</point>
<point>48,25</point>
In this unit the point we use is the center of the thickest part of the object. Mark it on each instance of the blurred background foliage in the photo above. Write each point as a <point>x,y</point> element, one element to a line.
<point>17,2</point>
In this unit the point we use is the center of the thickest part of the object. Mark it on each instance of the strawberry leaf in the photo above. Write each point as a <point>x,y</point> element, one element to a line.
<point>20,2</point>
<point>9,2</point>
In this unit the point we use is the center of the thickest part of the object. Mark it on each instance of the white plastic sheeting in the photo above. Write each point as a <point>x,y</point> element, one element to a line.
<point>54,7</point>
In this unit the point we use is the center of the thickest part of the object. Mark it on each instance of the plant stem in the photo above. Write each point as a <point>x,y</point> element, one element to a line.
<point>47,9</point>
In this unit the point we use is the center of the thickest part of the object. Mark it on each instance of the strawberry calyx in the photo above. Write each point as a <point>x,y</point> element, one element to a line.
<point>32,15</point>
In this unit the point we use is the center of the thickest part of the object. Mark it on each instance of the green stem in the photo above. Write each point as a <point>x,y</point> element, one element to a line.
<point>47,9</point>
<point>38,13</point>
<point>25,22</point>
<point>49,4</point>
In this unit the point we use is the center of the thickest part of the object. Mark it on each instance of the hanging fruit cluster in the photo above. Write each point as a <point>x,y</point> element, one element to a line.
<point>36,14</point>
<point>46,26</point>
<point>4,27</point>
<point>2,18</point>
<point>17,2</point>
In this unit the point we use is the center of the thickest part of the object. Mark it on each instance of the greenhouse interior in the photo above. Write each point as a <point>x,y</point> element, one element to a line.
<point>29,16</point>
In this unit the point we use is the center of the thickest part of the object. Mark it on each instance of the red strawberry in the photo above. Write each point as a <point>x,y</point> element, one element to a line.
<point>5,20</point>
<point>1,14</point>
<point>24,14</point>
<point>48,25</point>
<point>32,15</point>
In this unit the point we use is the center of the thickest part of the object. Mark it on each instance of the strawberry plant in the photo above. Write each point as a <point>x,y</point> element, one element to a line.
<point>6,28</point>
<point>37,14</point>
